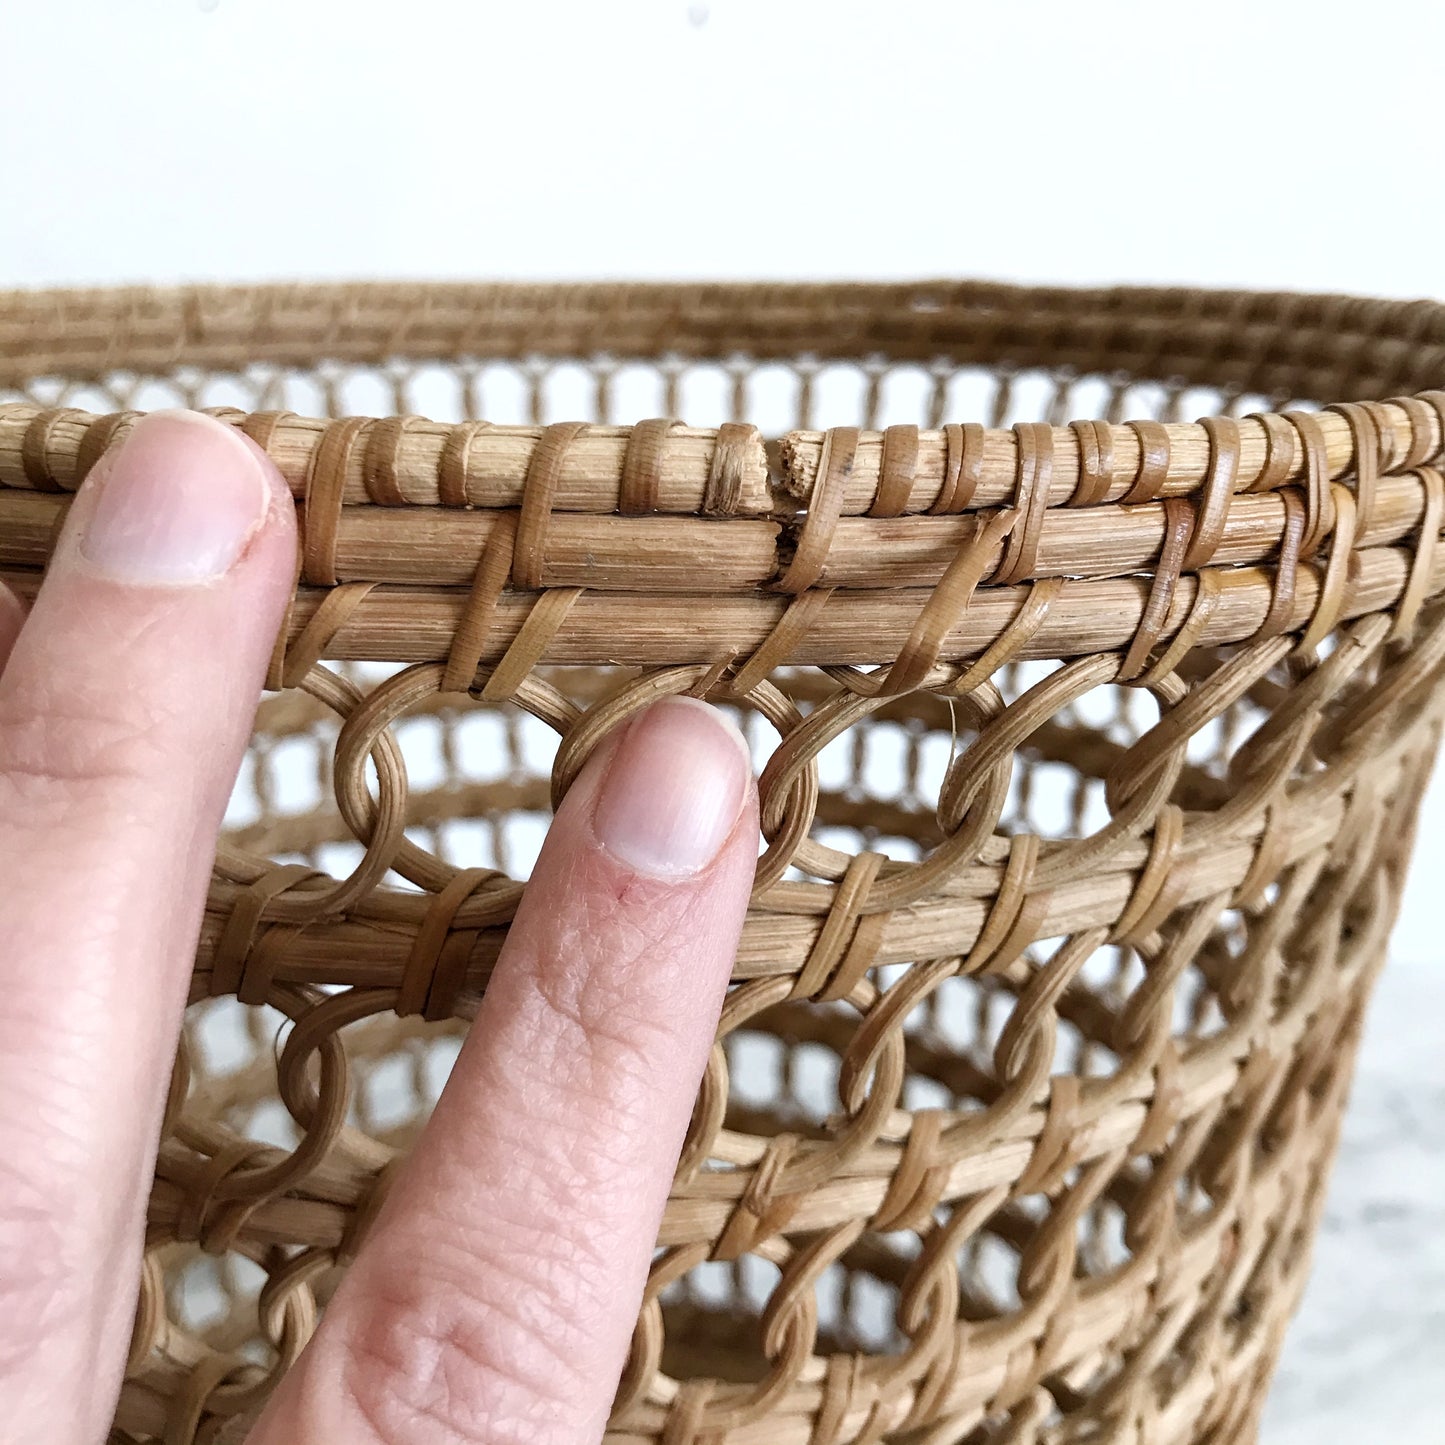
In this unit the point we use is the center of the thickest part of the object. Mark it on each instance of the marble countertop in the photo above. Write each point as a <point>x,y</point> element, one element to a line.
<point>1364,1363</point>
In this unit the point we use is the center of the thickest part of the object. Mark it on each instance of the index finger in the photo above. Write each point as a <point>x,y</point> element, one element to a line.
<point>495,1296</point>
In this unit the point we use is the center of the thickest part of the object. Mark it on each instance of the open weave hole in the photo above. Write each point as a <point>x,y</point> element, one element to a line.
<point>1089,757</point>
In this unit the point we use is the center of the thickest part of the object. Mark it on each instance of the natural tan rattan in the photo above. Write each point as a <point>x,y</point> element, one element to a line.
<point>1090,738</point>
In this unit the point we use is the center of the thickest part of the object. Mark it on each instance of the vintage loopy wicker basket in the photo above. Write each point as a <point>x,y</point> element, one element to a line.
<point>1090,752</point>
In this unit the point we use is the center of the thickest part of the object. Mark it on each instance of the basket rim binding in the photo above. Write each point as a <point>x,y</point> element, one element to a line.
<point>1129,517</point>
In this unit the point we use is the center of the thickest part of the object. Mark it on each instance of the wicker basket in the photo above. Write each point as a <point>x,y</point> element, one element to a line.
<point>1090,752</point>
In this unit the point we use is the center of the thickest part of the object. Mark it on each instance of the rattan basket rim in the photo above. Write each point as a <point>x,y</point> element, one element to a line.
<point>843,547</point>
<point>1272,342</point>
<point>1122,533</point>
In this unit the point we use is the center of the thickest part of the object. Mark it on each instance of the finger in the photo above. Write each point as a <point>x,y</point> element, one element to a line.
<point>124,710</point>
<point>12,617</point>
<point>495,1297</point>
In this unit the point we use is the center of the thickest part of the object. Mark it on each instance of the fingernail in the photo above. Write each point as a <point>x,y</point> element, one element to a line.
<point>177,502</point>
<point>673,789</point>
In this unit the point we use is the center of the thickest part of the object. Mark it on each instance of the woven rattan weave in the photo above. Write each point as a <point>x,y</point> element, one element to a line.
<point>1090,741</point>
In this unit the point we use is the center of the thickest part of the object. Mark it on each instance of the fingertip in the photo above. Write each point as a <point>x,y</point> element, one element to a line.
<point>673,790</point>
<point>182,500</point>
<point>283,502</point>
<point>281,518</point>
<point>280,487</point>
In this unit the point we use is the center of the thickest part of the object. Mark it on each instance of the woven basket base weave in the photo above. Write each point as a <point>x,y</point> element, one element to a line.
<point>1027,1090</point>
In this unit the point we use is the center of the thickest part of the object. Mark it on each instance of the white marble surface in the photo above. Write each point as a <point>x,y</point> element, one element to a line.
<point>1364,1363</point>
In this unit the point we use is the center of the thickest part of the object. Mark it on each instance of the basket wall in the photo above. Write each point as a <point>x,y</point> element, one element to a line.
<point>1089,757</point>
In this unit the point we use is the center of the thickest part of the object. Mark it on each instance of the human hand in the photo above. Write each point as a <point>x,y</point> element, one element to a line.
<point>495,1295</point>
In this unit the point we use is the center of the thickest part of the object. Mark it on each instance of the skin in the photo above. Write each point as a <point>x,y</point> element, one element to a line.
<point>494,1298</point>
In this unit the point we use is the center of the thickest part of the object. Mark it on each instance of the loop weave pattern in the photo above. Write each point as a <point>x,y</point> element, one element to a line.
<point>1089,737</point>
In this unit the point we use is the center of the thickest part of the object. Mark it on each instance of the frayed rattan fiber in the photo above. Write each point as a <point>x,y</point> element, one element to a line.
<point>1090,742</point>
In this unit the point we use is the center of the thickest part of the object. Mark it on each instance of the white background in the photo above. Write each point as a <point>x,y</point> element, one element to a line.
<point>1263,145</point>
